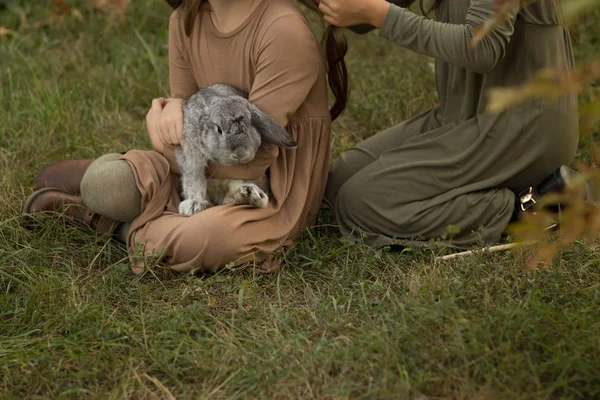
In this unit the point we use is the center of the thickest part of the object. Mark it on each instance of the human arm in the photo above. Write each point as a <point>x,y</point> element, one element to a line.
<point>287,67</point>
<point>181,80</point>
<point>443,41</point>
<point>164,120</point>
<point>158,143</point>
<point>365,27</point>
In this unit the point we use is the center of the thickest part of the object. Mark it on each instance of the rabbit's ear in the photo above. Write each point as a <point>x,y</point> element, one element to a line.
<point>270,130</point>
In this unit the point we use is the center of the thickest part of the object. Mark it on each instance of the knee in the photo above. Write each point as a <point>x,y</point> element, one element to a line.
<point>107,157</point>
<point>339,174</point>
<point>350,203</point>
<point>108,187</point>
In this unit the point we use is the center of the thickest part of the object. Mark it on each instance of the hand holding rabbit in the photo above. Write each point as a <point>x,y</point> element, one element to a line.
<point>170,122</point>
<point>164,122</point>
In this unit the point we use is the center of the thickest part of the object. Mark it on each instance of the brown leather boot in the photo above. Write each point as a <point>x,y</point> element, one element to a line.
<point>51,200</point>
<point>64,175</point>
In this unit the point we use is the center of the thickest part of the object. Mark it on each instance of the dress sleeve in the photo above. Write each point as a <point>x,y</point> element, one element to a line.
<point>288,62</point>
<point>181,81</point>
<point>451,42</point>
<point>287,65</point>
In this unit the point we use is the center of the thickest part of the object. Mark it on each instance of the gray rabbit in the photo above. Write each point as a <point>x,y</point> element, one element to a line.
<point>222,126</point>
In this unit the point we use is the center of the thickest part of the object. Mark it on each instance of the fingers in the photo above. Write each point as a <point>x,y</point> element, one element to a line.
<point>329,14</point>
<point>177,123</point>
<point>330,20</point>
<point>154,107</point>
<point>152,119</point>
<point>166,120</point>
<point>173,134</point>
<point>326,9</point>
<point>179,127</point>
<point>348,12</point>
<point>158,104</point>
<point>164,131</point>
<point>160,127</point>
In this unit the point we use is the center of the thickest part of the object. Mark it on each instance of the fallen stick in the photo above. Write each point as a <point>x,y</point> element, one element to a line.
<point>491,249</point>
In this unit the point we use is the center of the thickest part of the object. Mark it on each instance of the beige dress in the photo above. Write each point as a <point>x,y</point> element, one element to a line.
<point>275,56</point>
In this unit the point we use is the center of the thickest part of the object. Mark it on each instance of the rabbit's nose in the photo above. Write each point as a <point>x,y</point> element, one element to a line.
<point>241,154</point>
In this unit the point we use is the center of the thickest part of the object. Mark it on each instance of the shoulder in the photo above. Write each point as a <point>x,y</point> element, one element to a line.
<point>175,16</point>
<point>176,22</point>
<point>276,9</point>
<point>284,35</point>
<point>282,19</point>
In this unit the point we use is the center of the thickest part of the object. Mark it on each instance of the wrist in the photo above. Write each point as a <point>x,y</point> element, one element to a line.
<point>379,9</point>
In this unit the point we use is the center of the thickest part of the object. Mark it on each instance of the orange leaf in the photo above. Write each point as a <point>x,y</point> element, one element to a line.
<point>593,225</point>
<point>67,9</point>
<point>543,256</point>
<point>111,6</point>
<point>5,31</point>
<point>62,6</point>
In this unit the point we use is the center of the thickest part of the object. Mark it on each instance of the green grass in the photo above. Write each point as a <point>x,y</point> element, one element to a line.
<point>336,321</point>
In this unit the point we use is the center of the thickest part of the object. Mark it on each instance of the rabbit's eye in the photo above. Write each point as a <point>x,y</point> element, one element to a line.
<point>219,130</point>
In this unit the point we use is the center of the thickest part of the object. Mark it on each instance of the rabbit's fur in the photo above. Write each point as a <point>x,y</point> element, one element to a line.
<point>222,126</point>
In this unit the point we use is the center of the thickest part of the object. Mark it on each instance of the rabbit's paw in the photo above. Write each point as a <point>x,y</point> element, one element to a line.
<point>191,206</point>
<point>253,196</point>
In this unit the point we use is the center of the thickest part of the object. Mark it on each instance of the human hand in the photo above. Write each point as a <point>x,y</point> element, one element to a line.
<point>170,122</point>
<point>164,122</point>
<point>344,13</point>
<point>152,122</point>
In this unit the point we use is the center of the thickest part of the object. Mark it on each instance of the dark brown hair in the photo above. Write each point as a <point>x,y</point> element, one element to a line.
<point>335,50</point>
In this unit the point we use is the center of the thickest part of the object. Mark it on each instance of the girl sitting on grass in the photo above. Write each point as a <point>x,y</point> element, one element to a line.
<point>264,47</point>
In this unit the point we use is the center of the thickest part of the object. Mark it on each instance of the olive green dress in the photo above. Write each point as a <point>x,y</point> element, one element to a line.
<point>452,172</point>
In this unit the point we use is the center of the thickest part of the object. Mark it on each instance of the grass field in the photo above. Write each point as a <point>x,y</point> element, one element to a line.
<point>336,321</point>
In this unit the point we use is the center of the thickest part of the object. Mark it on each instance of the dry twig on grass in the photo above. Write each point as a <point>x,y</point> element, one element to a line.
<point>491,249</point>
